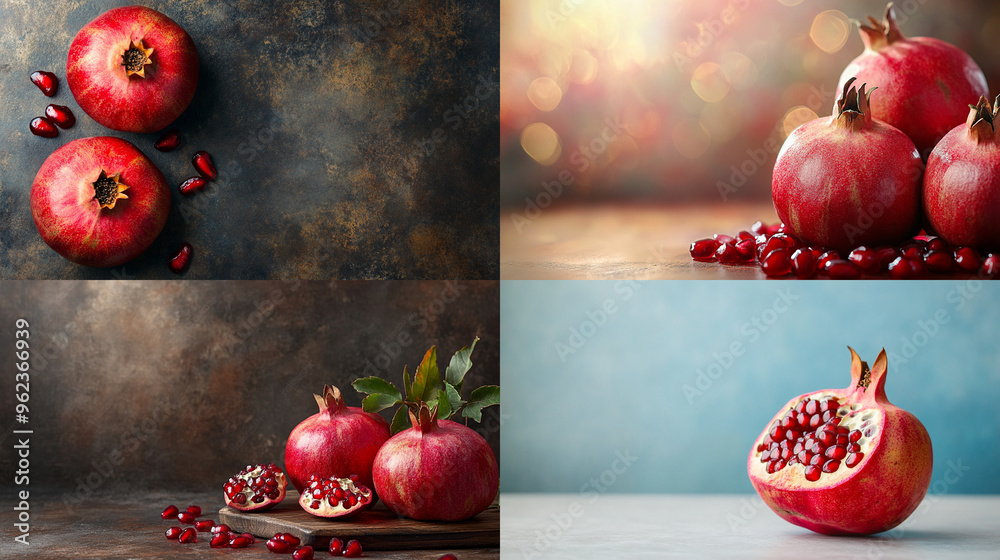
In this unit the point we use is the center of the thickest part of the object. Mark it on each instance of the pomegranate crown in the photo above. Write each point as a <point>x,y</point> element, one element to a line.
<point>862,377</point>
<point>982,120</point>
<point>331,401</point>
<point>879,34</point>
<point>853,106</point>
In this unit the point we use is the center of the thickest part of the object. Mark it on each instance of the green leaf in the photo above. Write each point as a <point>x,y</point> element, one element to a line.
<point>443,406</point>
<point>373,385</point>
<point>407,386</point>
<point>427,378</point>
<point>487,395</point>
<point>460,364</point>
<point>454,399</point>
<point>400,420</point>
<point>379,401</point>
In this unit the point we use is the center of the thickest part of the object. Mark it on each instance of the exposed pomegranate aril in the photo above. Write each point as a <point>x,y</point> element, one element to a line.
<point>278,546</point>
<point>937,244</point>
<point>804,263</point>
<point>777,263</point>
<point>170,140</point>
<point>826,257</point>
<point>723,238</point>
<point>759,228</point>
<point>831,466</point>
<point>885,256</point>
<point>853,447</point>
<point>939,261</point>
<point>352,549</point>
<point>746,250</point>
<point>726,253</point>
<point>220,540</point>
<point>204,526</point>
<point>60,115</point>
<point>812,473</point>
<point>194,510</point>
<point>865,259</point>
<point>41,126</point>
<point>336,547</point>
<point>170,512</point>
<point>853,459</point>
<point>189,535</point>
<point>221,528</point>
<point>173,532</point>
<point>991,266</point>
<point>904,268</point>
<point>181,259</point>
<point>203,163</point>
<point>192,185</point>
<point>704,249</point>
<point>745,235</point>
<point>967,259</point>
<point>240,542</point>
<point>46,81</point>
<point>839,269</point>
<point>303,553</point>
<point>186,517</point>
<point>288,538</point>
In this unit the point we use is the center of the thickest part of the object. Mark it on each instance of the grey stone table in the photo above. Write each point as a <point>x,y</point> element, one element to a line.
<point>353,139</point>
<point>578,527</point>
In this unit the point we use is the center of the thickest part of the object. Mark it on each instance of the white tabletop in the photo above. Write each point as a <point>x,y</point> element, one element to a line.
<point>583,526</point>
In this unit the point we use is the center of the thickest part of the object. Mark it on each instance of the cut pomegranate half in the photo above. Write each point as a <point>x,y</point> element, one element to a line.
<point>256,488</point>
<point>335,497</point>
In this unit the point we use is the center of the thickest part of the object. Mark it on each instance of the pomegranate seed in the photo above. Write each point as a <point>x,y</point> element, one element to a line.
<point>704,249</point>
<point>60,115</point>
<point>352,549</point>
<point>46,81</point>
<point>937,244</point>
<point>192,185</point>
<point>221,528</point>
<point>967,259</point>
<point>41,126</point>
<point>173,532</point>
<point>911,252</point>
<point>841,270</point>
<point>336,547</point>
<point>204,526</point>
<point>941,262</point>
<point>904,268</point>
<point>722,238</point>
<point>181,259</point>
<point>288,538</point>
<point>726,253</point>
<point>746,250</point>
<point>771,245</point>
<point>991,266</point>
<point>812,407</point>
<point>826,257</point>
<point>777,263</point>
<point>170,512</point>
<point>278,546</point>
<point>170,140</point>
<point>854,436</point>
<point>186,517</point>
<point>812,473</point>
<point>865,259</point>
<point>303,553</point>
<point>448,557</point>
<point>744,235</point>
<point>203,163</point>
<point>189,535</point>
<point>831,466</point>
<point>817,460</point>
<point>885,256</point>
<point>801,407</point>
<point>759,228</point>
<point>194,510</point>
<point>804,263</point>
<point>853,459</point>
<point>220,540</point>
<point>853,448</point>
<point>249,536</point>
<point>837,452</point>
<point>240,542</point>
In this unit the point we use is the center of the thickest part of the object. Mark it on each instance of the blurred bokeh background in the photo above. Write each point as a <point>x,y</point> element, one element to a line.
<point>597,371</point>
<point>661,100</point>
<point>178,385</point>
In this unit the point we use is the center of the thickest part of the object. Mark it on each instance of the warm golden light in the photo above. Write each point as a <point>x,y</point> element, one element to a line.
<point>790,2</point>
<point>738,69</point>
<point>709,82</point>
<point>690,138</point>
<point>830,30</point>
<point>796,117</point>
<point>541,143</point>
<point>583,68</point>
<point>545,93</point>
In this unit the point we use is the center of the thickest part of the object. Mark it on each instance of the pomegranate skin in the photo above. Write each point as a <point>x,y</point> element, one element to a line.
<point>929,83</point>
<point>845,185</point>
<point>118,101</point>
<point>339,441</point>
<point>438,470</point>
<point>876,495</point>
<point>962,185</point>
<point>75,225</point>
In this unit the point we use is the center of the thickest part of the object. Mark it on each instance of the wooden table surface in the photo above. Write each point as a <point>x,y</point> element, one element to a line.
<point>626,242</point>
<point>549,526</point>
<point>129,526</point>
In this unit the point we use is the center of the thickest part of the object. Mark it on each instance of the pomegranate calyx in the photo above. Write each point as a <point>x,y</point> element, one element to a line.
<point>135,59</point>
<point>863,376</point>
<point>331,402</point>
<point>880,34</point>
<point>982,120</point>
<point>425,418</point>
<point>108,189</point>
<point>853,107</point>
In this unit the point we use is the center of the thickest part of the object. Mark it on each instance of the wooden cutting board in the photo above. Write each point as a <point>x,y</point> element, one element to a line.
<point>376,529</point>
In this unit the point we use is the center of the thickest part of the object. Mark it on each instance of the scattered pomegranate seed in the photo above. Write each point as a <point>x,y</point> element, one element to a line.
<point>303,553</point>
<point>46,81</point>
<point>991,266</point>
<point>220,528</point>
<point>204,525</point>
<point>220,540</point>
<point>288,538</point>
<point>240,542</point>
<point>839,269</point>
<point>169,141</point>
<point>249,536</point>
<point>967,259</point>
<point>192,185</point>
<point>173,532</point>
<point>723,238</point>
<point>704,249</point>
<point>448,557</point>
<point>727,254</point>
<point>278,546</point>
<point>777,263</point>
<point>866,259</point>
<point>189,535</point>
<point>60,115</point>
<point>170,512</point>
<point>352,549</point>
<point>186,517</point>
<point>905,268</point>
<point>41,126</point>
<point>939,260</point>
<point>336,547</point>
<point>804,263</point>
<point>746,249</point>
<point>194,510</point>
<point>203,163</point>
<point>937,244</point>
<point>181,259</point>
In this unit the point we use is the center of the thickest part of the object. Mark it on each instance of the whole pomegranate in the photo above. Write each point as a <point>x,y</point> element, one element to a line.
<point>848,179</point>
<point>929,83</point>
<point>843,461</point>
<point>132,69</point>
<point>99,201</point>
<point>336,441</point>
<point>438,470</point>
<point>962,182</point>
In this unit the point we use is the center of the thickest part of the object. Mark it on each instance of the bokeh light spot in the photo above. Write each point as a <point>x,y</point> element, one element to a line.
<point>690,138</point>
<point>545,93</point>
<point>797,116</point>
<point>738,69</point>
<point>830,30</point>
<point>790,2</point>
<point>583,68</point>
<point>541,143</point>
<point>709,82</point>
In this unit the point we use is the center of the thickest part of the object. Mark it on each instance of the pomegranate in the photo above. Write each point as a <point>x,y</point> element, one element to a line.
<point>256,488</point>
<point>46,81</point>
<point>132,69</point>
<point>60,115</point>
<point>173,533</point>
<point>202,162</point>
<point>437,470</point>
<point>962,182</point>
<point>334,497</point>
<point>848,180</point>
<point>843,461</point>
<point>336,440</point>
<point>99,201</point>
<point>352,549</point>
<point>170,512</point>
<point>42,126</point>
<point>181,259</point>
<point>189,535</point>
<point>191,186</point>
<point>928,82</point>
<point>303,553</point>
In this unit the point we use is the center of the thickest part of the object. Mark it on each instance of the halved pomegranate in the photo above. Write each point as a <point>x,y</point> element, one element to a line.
<point>843,461</point>
<point>335,497</point>
<point>256,488</point>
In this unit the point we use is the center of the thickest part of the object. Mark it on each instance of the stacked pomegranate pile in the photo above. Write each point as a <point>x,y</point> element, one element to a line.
<point>852,190</point>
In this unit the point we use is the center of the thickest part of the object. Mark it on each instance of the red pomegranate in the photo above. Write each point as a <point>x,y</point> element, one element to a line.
<point>928,83</point>
<point>255,488</point>
<point>335,496</point>
<point>962,182</point>
<point>438,470</point>
<point>99,201</point>
<point>336,441</point>
<point>843,461</point>
<point>848,180</point>
<point>132,69</point>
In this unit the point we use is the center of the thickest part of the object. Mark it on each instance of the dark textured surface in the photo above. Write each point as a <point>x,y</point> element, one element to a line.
<point>178,385</point>
<point>320,117</point>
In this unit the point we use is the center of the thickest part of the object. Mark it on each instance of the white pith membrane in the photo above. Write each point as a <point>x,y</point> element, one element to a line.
<point>780,462</point>
<point>255,485</point>
<point>327,497</point>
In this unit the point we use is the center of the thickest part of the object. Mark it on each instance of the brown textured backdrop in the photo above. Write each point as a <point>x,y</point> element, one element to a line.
<point>354,139</point>
<point>176,385</point>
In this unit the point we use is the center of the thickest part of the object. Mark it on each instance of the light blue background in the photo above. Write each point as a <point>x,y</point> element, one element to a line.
<point>623,390</point>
